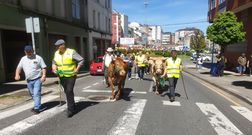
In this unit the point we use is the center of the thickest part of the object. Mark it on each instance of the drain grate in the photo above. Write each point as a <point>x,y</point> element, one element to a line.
<point>98,98</point>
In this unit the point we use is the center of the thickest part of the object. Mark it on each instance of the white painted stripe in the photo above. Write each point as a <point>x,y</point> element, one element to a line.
<point>16,110</point>
<point>221,124</point>
<point>29,122</point>
<point>87,87</point>
<point>151,87</point>
<point>96,84</point>
<point>175,103</point>
<point>245,112</point>
<point>127,124</point>
<point>109,91</point>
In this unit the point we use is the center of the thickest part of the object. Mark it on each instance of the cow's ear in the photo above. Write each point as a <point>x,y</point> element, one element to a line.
<point>112,62</point>
<point>163,60</point>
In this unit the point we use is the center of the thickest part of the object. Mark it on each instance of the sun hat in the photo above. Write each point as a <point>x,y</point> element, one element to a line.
<point>110,49</point>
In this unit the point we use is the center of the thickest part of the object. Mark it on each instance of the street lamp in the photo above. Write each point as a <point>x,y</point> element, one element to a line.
<point>212,53</point>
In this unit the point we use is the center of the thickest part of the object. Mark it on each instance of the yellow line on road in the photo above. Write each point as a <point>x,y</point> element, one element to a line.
<point>214,90</point>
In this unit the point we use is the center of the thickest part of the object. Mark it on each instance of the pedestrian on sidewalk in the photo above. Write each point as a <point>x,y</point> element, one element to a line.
<point>173,69</point>
<point>242,61</point>
<point>34,68</point>
<point>64,66</point>
<point>220,64</point>
<point>249,65</point>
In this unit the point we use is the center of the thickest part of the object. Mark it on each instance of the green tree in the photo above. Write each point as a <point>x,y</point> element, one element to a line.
<point>198,42</point>
<point>225,30</point>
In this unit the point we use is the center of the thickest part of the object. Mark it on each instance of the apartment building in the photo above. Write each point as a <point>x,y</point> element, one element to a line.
<point>243,11</point>
<point>99,23</point>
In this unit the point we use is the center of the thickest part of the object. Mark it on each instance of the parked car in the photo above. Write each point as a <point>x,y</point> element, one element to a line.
<point>96,66</point>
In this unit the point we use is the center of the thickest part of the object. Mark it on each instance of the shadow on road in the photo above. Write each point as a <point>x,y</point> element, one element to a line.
<point>246,84</point>
<point>49,105</point>
<point>126,94</point>
<point>7,88</point>
<point>84,104</point>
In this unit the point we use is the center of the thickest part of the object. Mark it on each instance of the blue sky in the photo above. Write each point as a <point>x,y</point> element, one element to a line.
<point>163,12</point>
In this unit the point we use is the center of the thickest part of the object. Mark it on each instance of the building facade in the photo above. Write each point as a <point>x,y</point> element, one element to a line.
<point>66,19</point>
<point>119,26</point>
<point>243,12</point>
<point>183,36</point>
<point>155,35</point>
<point>99,23</point>
<point>167,38</point>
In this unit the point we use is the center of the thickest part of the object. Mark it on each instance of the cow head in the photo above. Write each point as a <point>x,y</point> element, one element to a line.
<point>119,67</point>
<point>159,67</point>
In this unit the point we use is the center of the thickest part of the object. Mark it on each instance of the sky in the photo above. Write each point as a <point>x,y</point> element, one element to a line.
<point>167,13</point>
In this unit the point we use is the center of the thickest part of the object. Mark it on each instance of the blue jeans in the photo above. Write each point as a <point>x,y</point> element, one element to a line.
<point>34,87</point>
<point>241,69</point>
<point>141,72</point>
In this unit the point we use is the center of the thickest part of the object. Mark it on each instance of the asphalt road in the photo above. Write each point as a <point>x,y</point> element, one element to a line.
<point>139,112</point>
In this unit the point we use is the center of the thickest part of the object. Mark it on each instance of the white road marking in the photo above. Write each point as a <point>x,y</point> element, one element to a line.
<point>245,112</point>
<point>95,84</point>
<point>87,87</point>
<point>109,91</point>
<point>221,124</point>
<point>21,126</point>
<point>16,110</point>
<point>151,87</point>
<point>175,103</point>
<point>127,124</point>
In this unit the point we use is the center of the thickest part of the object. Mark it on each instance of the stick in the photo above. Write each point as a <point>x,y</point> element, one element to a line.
<point>60,89</point>
<point>184,85</point>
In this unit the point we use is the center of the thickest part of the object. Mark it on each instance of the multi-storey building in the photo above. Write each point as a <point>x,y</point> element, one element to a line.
<point>183,36</point>
<point>99,22</point>
<point>243,11</point>
<point>166,38</point>
<point>119,26</point>
<point>155,35</point>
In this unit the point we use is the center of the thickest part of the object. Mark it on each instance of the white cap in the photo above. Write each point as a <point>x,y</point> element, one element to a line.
<point>110,49</point>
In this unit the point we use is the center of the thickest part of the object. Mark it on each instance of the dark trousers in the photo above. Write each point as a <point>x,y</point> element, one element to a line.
<point>68,85</point>
<point>129,72</point>
<point>172,85</point>
<point>141,72</point>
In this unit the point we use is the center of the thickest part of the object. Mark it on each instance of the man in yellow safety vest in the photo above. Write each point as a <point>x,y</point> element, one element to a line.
<point>64,65</point>
<point>140,61</point>
<point>173,69</point>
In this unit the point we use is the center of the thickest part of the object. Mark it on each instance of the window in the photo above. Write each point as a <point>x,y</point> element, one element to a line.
<point>76,9</point>
<point>99,23</point>
<point>94,20</point>
<point>213,4</point>
<point>221,1</point>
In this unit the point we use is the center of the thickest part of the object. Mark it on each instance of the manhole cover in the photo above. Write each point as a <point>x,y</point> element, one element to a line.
<point>99,98</point>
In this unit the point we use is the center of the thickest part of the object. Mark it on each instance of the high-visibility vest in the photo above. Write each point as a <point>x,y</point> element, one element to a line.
<point>172,68</point>
<point>140,61</point>
<point>65,63</point>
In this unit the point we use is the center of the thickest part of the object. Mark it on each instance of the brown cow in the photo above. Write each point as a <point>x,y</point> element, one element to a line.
<point>117,72</point>
<point>157,70</point>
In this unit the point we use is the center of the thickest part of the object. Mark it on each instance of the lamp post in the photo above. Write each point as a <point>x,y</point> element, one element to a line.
<point>212,53</point>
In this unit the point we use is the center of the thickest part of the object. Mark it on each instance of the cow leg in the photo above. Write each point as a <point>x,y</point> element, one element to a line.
<point>156,85</point>
<point>111,82</point>
<point>118,95</point>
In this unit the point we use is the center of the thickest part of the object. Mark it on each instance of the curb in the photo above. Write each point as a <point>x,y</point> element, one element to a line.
<point>222,88</point>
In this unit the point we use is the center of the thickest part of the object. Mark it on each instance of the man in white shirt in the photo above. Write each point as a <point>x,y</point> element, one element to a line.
<point>108,57</point>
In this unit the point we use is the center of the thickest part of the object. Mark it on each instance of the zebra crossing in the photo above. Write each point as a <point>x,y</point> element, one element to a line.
<point>128,122</point>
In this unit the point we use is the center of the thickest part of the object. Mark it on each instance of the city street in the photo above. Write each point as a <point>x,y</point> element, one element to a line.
<point>140,112</point>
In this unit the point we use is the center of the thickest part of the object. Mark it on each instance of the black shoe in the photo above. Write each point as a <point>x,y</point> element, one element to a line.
<point>70,114</point>
<point>35,111</point>
<point>172,99</point>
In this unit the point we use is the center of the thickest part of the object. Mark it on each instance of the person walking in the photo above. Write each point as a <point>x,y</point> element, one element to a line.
<point>173,69</point>
<point>249,65</point>
<point>242,61</point>
<point>140,61</point>
<point>108,57</point>
<point>220,64</point>
<point>34,68</point>
<point>64,66</point>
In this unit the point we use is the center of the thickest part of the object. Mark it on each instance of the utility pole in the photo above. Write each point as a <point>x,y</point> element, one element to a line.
<point>146,4</point>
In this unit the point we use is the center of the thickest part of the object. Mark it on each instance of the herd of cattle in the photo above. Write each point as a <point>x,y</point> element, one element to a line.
<point>118,69</point>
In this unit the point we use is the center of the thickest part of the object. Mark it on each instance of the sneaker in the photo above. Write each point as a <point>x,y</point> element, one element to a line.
<point>129,78</point>
<point>35,111</point>
<point>172,99</point>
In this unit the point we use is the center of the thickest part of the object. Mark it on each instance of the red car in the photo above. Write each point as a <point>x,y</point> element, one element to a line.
<point>96,66</point>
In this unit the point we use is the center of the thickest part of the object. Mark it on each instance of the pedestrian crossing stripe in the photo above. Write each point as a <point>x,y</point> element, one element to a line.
<point>16,110</point>
<point>221,124</point>
<point>109,91</point>
<point>175,103</point>
<point>245,112</point>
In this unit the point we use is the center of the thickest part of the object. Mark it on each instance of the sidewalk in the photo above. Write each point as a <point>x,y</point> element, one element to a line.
<point>231,82</point>
<point>14,93</point>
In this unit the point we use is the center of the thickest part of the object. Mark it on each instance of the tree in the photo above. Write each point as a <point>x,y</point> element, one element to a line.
<point>198,42</point>
<point>225,30</point>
